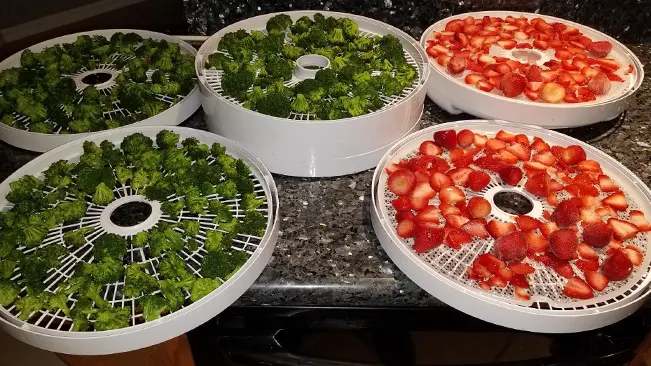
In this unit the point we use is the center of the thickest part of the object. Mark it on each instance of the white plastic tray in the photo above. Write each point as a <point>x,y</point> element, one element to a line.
<point>43,142</point>
<point>441,272</point>
<point>49,337</point>
<point>455,96</point>
<point>308,148</point>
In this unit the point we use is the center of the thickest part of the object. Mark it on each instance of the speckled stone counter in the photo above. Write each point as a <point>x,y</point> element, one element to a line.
<point>327,253</point>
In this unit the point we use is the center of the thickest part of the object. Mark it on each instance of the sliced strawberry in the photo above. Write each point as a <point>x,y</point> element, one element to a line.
<point>606,184</point>
<point>521,293</point>
<point>622,230</point>
<point>446,138</point>
<point>490,262</point>
<point>541,45</point>
<point>587,252</point>
<point>456,238</point>
<point>554,186</point>
<point>401,182</point>
<point>552,93</point>
<point>588,216</point>
<point>563,244</point>
<point>534,74</point>
<point>401,204</point>
<point>452,195</point>
<point>457,65</point>
<point>513,84</point>
<point>427,236</point>
<point>460,176</point>
<point>545,158</point>
<point>563,268</point>
<point>479,207</point>
<point>511,175</point>
<point>406,228</point>
<point>608,64</point>
<point>521,151</point>
<point>637,218</point>
<point>596,280</point>
<point>429,214</point>
<point>447,209</point>
<point>507,157</point>
<point>566,213</point>
<point>443,59</point>
<point>499,228</point>
<point>461,38</point>
<point>489,163</point>
<point>439,181</point>
<point>614,77</point>
<point>423,191</point>
<point>418,203</point>
<point>473,79</point>
<point>495,144</point>
<point>507,44</point>
<point>465,138</point>
<point>617,266</point>
<point>599,84</point>
<point>476,228</point>
<point>547,228</point>
<point>527,223</point>
<point>534,165</point>
<point>478,180</point>
<point>405,215</point>
<point>477,41</point>
<point>519,280</point>
<point>486,59</point>
<point>617,201</point>
<point>539,145</point>
<point>511,247</point>
<point>573,154</point>
<point>635,256</point>
<point>576,288</point>
<point>538,184</point>
<point>521,268</point>
<point>587,264</point>
<point>480,140</point>
<point>605,211</point>
<point>505,273</point>
<point>484,86</point>
<point>534,85</point>
<point>456,221</point>
<point>531,95</point>
<point>422,176</point>
<point>430,148</point>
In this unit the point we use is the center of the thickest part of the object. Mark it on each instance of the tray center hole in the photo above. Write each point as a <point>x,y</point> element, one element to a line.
<point>96,78</point>
<point>526,55</point>
<point>513,203</point>
<point>131,214</point>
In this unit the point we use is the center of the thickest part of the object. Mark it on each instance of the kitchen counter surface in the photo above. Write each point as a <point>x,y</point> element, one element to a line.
<point>327,253</point>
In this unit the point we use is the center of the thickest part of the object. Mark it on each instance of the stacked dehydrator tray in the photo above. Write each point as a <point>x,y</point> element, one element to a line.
<point>506,221</point>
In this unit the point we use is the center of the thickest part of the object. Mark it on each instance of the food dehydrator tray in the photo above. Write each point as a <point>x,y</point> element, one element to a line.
<point>442,271</point>
<point>299,146</point>
<point>41,142</point>
<point>454,95</point>
<point>51,330</point>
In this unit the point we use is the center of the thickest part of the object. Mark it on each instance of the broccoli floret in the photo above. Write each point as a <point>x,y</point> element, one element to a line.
<point>153,306</point>
<point>164,238</point>
<point>28,59</point>
<point>175,162</point>
<point>109,247</point>
<point>108,271</point>
<point>292,52</point>
<point>217,60</point>
<point>339,89</point>
<point>336,36</point>
<point>9,78</point>
<point>406,75</point>
<point>227,189</point>
<point>220,210</point>
<point>173,208</point>
<point>275,104</point>
<point>167,139</point>
<point>34,270</point>
<point>81,126</point>
<point>136,143</point>
<point>237,83</point>
<point>202,287</point>
<point>302,25</point>
<point>112,318</point>
<point>41,127</point>
<point>59,301</point>
<point>190,227</point>
<point>140,240</point>
<point>250,202</point>
<point>89,178</point>
<point>139,180</point>
<point>76,238</point>
<point>214,241</point>
<point>149,160</point>
<point>172,292</point>
<point>123,174</point>
<point>279,22</point>
<point>326,77</point>
<point>277,67</point>
<point>91,160</point>
<point>350,28</point>
<point>34,235</point>
<point>300,104</point>
<point>172,267</point>
<point>195,202</point>
<point>91,291</point>
<point>8,292</point>
<point>24,188</point>
<point>232,228</point>
<point>254,223</point>
<point>7,268</point>
<point>138,282</point>
<point>159,190</point>
<point>244,184</point>
<point>207,189</point>
<point>29,305</point>
<point>217,150</point>
<point>391,49</point>
<point>8,120</point>
<point>216,264</point>
<point>91,94</point>
<point>316,38</point>
<point>72,211</point>
<point>103,195</point>
<point>355,106</point>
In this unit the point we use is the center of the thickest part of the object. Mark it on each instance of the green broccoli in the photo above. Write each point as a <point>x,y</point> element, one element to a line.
<point>237,83</point>
<point>355,106</point>
<point>250,202</point>
<point>195,202</point>
<point>217,60</point>
<point>108,271</point>
<point>202,287</point>
<point>103,195</point>
<point>91,160</point>
<point>275,104</point>
<point>24,188</point>
<point>221,211</point>
<point>41,127</point>
<point>112,318</point>
<point>167,139</point>
<point>85,111</point>
<point>139,179</point>
<point>163,238</point>
<point>338,89</point>
<point>153,306</point>
<point>59,301</point>
<point>76,238</point>
<point>28,60</point>
<point>72,211</point>
<point>109,247</point>
<point>214,240</point>
<point>216,264</point>
<point>138,282</point>
<point>190,227</point>
<point>227,189</point>
<point>175,161</point>
<point>232,228</point>
<point>350,28</point>
<point>91,94</point>
<point>152,108</point>
<point>173,294</point>
<point>279,22</point>
<point>254,224</point>
<point>9,78</point>
<point>29,305</point>
<point>300,104</point>
<point>7,268</point>
<point>292,52</point>
<point>336,36</point>
<point>390,48</point>
<point>123,174</point>
<point>302,25</point>
<point>149,160</point>
<point>136,143</point>
<point>8,292</point>
<point>172,267</point>
<point>316,38</point>
<point>7,119</point>
<point>207,189</point>
<point>140,240</point>
<point>81,126</point>
<point>173,208</point>
<point>34,235</point>
<point>91,291</point>
<point>278,67</point>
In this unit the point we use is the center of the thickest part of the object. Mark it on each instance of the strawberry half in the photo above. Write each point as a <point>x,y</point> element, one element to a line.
<point>406,228</point>
<point>478,180</point>
<point>499,228</point>
<point>596,280</point>
<point>429,214</point>
<point>617,266</point>
<point>446,138</point>
<point>452,195</point>
<point>479,207</point>
<point>401,204</point>
<point>511,247</point>
<point>427,236</point>
<point>617,201</point>
<point>401,182</point>
<point>511,175</point>
<point>521,151</point>
<point>587,264</point>
<point>489,163</point>
<point>513,84</point>
<point>538,184</point>
<point>460,176</point>
<point>475,228</point>
<point>600,49</point>
<point>566,213</point>
<point>455,221</point>
<point>573,154</point>
<point>597,234</point>
<point>439,181</point>
<point>447,209</point>
<point>563,244</point>
<point>635,256</point>
<point>456,238</point>
<point>430,148</point>
<point>465,138</point>
<point>576,288</point>
<point>527,223</point>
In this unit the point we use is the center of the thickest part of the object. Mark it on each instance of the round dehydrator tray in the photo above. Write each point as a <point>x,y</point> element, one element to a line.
<point>52,330</point>
<point>41,142</point>
<point>299,146</point>
<point>451,92</point>
<point>442,271</point>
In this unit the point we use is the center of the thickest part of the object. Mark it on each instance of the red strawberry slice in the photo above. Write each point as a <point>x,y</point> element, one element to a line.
<point>544,158</point>
<point>534,74</point>
<point>548,228</point>
<point>460,176</point>
<point>539,145</point>
<point>635,256</point>
<point>608,64</point>
<point>538,184</point>
<point>465,138</point>
<point>589,166</point>
<point>600,84</point>
<point>519,280</point>
<point>439,181</point>
<point>532,95</point>
<point>457,65</point>
<point>576,288</point>
<point>447,209</point>
<point>430,148</point>
<point>527,223</point>
<point>616,201</point>
<point>429,213</point>
<point>427,236</point>
<point>505,273</point>
<point>598,234</point>
<point>536,243</point>
<point>566,213</point>
<point>477,41</point>
<point>534,165</point>
<point>478,180</point>
<point>507,157</point>
<point>480,271</point>
<point>405,215</point>
<point>456,238</point>
<point>511,175</point>
<point>588,216</point>
<point>564,243</point>
<point>573,154</point>
<point>587,264</point>
<point>617,266</point>
<point>423,191</point>
<point>401,182</point>
<point>401,204</point>
<point>623,230</point>
<point>489,163</point>
<point>480,140</point>
<point>511,247</point>
<point>637,218</point>
<point>452,195</point>
<point>513,84</point>
<point>422,176</point>
<point>418,203</point>
<point>521,268</point>
<point>496,281</point>
<point>446,138</point>
<point>473,79</point>
<point>521,151</point>
<point>443,59</point>
<point>484,86</point>
<point>476,228</point>
<point>479,207</point>
<point>521,293</point>
<point>406,228</point>
<point>455,25</point>
<point>606,184</point>
<point>456,221</point>
<point>499,228</point>
<point>490,262</point>
<point>507,44</point>
<point>495,144</point>
<point>596,280</point>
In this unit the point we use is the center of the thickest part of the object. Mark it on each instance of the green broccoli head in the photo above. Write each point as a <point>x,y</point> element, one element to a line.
<point>278,67</point>
<point>221,211</point>
<point>237,83</point>
<point>251,202</point>
<point>350,28</point>
<point>72,211</point>
<point>227,189</point>
<point>195,202</point>
<point>279,22</point>
<point>123,174</point>
<point>275,104</point>
<point>302,25</point>
<point>202,287</point>
<point>112,318</point>
<point>29,60</point>
<point>292,52</point>
<point>173,267</point>
<point>109,271</point>
<point>216,264</point>
<point>109,247</point>
<point>140,240</point>
<point>175,161</point>
<point>254,224</point>
<point>24,188</point>
<point>190,227</point>
<point>173,208</point>
<point>231,228</point>
<point>103,195</point>
<point>214,241</point>
<point>8,292</point>
<point>77,238</point>
<point>163,238</point>
<point>300,104</point>
<point>167,139</point>
<point>29,305</point>
<point>138,282</point>
<point>136,143</point>
<point>152,108</point>
<point>153,306</point>
<point>336,36</point>
<point>7,268</point>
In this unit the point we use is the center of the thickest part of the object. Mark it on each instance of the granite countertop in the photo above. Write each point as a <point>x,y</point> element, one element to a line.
<point>327,253</point>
